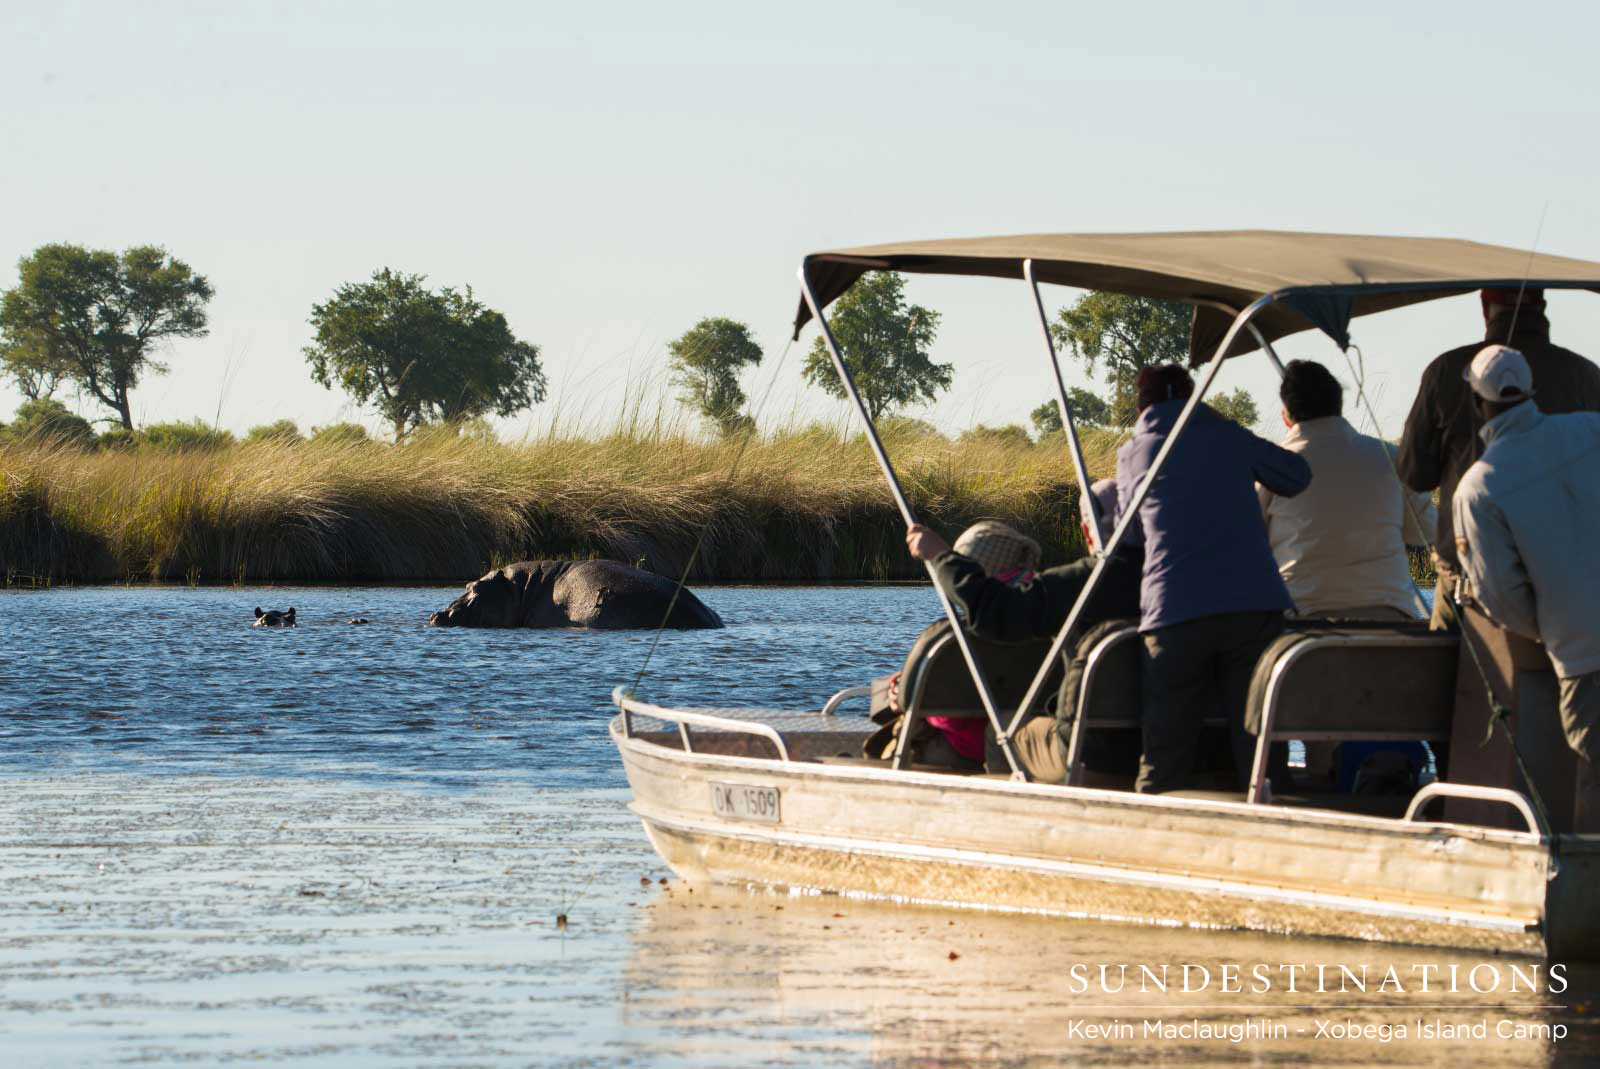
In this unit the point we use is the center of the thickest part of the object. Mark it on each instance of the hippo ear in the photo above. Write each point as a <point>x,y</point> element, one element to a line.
<point>259,613</point>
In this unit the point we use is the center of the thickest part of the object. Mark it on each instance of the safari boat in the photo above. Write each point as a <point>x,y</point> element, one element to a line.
<point>784,798</point>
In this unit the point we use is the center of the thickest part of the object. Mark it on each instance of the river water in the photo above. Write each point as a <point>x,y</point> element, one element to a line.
<point>349,845</point>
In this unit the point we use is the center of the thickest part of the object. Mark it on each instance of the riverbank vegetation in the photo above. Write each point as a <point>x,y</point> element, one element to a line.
<point>802,504</point>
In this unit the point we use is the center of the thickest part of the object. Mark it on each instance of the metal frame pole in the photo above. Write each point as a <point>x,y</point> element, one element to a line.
<point>1255,331</point>
<point>1130,510</point>
<point>1002,735</point>
<point>1097,538</point>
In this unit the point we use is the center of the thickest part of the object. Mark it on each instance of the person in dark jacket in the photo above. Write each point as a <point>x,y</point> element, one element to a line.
<point>1441,435</point>
<point>1211,597</point>
<point>1015,607</point>
<point>1010,607</point>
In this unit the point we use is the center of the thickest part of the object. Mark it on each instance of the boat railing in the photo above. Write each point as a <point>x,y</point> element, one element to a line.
<point>1515,799</point>
<point>831,706</point>
<point>684,718</point>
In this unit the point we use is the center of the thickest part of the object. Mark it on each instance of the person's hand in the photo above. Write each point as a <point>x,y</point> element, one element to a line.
<point>925,543</point>
<point>894,692</point>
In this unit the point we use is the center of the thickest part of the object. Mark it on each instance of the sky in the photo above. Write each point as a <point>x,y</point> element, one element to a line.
<point>606,175</point>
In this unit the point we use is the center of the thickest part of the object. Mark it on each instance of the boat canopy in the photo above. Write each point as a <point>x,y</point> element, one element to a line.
<point>1321,280</point>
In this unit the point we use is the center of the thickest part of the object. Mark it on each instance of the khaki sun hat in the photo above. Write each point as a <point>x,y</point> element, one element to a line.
<point>997,548</point>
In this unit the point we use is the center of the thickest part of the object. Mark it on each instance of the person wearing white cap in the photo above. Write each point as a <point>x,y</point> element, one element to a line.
<point>1441,433</point>
<point>1525,518</point>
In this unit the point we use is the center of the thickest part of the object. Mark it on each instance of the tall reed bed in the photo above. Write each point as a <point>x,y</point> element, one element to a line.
<point>796,506</point>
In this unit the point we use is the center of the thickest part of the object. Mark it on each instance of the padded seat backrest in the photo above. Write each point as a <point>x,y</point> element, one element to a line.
<point>1009,668</point>
<point>1107,657</point>
<point>1359,682</point>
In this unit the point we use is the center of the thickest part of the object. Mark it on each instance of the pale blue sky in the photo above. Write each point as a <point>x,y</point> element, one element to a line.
<point>608,174</point>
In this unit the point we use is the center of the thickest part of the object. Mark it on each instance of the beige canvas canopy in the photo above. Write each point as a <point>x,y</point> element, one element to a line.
<point>1322,280</point>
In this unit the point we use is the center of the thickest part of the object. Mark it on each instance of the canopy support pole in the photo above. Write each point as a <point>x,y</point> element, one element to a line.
<point>1255,331</point>
<point>1086,509</point>
<point>978,678</point>
<point>1130,509</point>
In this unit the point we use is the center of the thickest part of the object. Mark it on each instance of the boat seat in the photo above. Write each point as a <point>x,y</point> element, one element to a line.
<point>935,680</point>
<point>1101,695</point>
<point>1343,680</point>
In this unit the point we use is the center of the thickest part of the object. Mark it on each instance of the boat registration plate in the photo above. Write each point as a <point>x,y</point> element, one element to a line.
<point>741,801</point>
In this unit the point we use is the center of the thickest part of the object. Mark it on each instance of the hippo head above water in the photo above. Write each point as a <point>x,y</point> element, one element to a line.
<point>592,593</point>
<point>274,618</point>
<point>493,601</point>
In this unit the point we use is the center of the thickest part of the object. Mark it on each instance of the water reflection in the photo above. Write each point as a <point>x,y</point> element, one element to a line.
<point>349,844</point>
<point>892,985</point>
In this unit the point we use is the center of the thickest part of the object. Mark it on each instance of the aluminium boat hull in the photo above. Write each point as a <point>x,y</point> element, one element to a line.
<point>1083,852</point>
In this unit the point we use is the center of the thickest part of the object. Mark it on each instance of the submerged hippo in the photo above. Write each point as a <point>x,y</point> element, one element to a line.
<point>585,593</point>
<point>274,618</point>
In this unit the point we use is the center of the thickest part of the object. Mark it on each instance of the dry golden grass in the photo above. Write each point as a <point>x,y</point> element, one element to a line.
<point>797,505</point>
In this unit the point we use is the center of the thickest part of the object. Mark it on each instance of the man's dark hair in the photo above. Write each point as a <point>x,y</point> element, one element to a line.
<point>1310,391</point>
<point>1162,382</point>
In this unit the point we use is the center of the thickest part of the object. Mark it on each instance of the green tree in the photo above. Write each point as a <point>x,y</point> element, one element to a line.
<point>178,437</point>
<point>1012,434</point>
<point>1238,406</point>
<point>1046,419</point>
<point>1088,410</point>
<point>340,434</point>
<point>38,367</point>
<point>279,431</point>
<point>706,362</point>
<point>97,317</point>
<point>419,355</point>
<point>43,418</point>
<point>1123,335</point>
<point>885,343</point>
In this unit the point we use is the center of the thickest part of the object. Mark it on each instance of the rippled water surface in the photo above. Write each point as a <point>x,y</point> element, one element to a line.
<point>343,845</point>
<point>169,680</point>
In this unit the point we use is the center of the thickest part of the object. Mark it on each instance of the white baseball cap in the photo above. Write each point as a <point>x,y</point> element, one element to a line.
<point>1499,373</point>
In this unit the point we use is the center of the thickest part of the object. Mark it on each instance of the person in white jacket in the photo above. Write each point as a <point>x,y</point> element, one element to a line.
<point>1525,517</point>
<point>1341,544</point>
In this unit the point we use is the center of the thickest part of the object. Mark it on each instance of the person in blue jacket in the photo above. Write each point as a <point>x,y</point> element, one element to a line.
<point>1211,598</point>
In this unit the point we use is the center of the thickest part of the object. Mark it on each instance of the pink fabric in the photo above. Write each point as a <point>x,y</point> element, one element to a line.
<point>964,732</point>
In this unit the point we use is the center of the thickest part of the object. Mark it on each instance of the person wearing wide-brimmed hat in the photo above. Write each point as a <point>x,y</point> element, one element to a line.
<point>1011,605</point>
<point>1525,517</point>
<point>1023,605</point>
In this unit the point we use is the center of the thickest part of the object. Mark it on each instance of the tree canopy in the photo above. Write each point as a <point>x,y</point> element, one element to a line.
<point>179,437</point>
<point>1123,335</point>
<point>1238,406</point>
<point>96,317</point>
<point>706,362</point>
<point>36,366</point>
<point>885,344</point>
<point>1088,410</point>
<point>1012,434</point>
<point>419,355</point>
<point>279,431</point>
<point>45,419</point>
<point>338,434</point>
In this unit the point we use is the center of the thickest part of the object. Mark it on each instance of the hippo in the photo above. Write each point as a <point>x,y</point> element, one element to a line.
<point>587,593</point>
<point>274,618</point>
